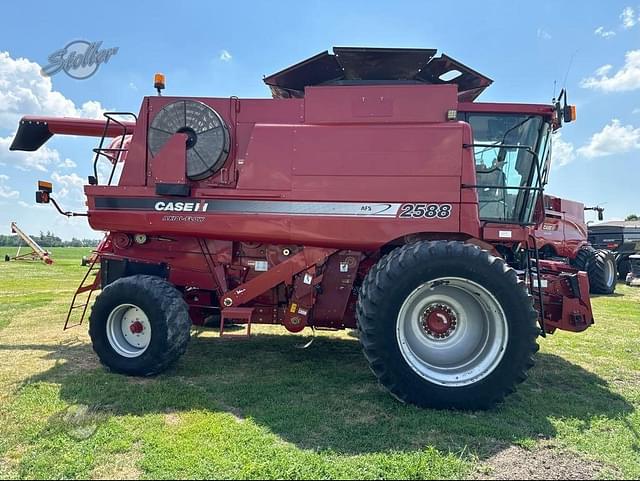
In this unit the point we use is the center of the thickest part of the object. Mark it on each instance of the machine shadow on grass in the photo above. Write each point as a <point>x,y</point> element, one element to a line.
<point>325,397</point>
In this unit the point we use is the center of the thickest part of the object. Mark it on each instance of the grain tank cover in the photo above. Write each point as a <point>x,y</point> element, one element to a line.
<point>361,66</point>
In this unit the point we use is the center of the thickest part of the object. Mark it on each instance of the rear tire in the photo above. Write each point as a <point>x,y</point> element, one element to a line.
<point>7,258</point>
<point>426,361</point>
<point>600,265</point>
<point>139,325</point>
<point>624,267</point>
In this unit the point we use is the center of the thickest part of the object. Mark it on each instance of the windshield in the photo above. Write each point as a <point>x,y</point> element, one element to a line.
<point>505,168</point>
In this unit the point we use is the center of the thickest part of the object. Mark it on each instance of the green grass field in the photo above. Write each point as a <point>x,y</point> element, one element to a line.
<point>262,408</point>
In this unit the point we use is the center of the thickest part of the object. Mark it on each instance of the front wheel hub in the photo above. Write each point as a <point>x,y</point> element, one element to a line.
<point>136,328</point>
<point>439,321</point>
<point>128,330</point>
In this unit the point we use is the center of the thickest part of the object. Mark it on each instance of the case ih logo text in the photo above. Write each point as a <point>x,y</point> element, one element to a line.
<point>79,59</point>
<point>181,206</point>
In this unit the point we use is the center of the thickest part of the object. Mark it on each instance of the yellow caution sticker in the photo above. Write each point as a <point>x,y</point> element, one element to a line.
<point>294,308</point>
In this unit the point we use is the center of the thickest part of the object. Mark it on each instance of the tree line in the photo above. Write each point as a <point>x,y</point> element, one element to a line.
<point>47,239</point>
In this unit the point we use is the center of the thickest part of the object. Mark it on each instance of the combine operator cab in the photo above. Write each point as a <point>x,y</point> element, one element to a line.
<point>373,191</point>
<point>510,157</point>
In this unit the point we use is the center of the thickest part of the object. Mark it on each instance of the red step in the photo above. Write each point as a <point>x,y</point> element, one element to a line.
<point>236,314</point>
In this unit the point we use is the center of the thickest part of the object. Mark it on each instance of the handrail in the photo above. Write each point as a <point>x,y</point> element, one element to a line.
<point>101,150</point>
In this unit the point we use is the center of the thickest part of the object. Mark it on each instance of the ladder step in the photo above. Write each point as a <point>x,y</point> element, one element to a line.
<point>89,288</point>
<point>238,314</point>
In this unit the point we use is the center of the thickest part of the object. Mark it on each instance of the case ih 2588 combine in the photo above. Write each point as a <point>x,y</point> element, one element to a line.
<point>372,191</point>
<point>564,236</point>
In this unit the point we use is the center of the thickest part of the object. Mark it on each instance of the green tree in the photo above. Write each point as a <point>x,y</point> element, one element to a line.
<point>632,217</point>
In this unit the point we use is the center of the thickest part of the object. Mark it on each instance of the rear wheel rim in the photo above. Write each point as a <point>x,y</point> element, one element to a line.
<point>128,330</point>
<point>610,272</point>
<point>468,341</point>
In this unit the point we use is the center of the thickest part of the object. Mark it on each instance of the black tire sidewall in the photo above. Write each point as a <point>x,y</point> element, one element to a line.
<point>623,267</point>
<point>597,271</point>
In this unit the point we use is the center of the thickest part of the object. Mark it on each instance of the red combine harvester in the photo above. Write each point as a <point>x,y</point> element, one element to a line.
<point>564,236</point>
<point>371,192</point>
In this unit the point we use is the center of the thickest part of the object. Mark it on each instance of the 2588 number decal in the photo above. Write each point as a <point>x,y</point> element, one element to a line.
<point>425,211</point>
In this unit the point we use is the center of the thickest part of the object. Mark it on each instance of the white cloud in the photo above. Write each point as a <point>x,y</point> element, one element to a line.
<point>92,109</point>
<point>625,79</point>
<point>40,160</point>
<point>601,32</point>
<point>133,86</point>
<point>23,90</point>
<point>225,56</point>
<point>67,164</point>
<point>636,111</point>
<point>69,187</point>
<point>543,34</point>
<point>562,152</point>
<point>628,17</point>
<point>72,180</point>
<point>7,192</point>
<point>614,138</point>
<point>604,70</point>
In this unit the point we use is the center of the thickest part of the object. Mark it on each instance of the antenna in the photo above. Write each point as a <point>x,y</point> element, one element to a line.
<point>566,75</point>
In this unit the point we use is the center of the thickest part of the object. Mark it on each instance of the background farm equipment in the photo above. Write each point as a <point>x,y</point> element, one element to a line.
<point>371,192</point>
<point>35,252</point>
<point>564,236</point>
<point>623,238</point>
<point>633,276</point>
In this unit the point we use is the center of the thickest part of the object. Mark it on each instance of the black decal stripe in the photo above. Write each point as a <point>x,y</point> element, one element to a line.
<point>241,206</point>
<point>126,203</point>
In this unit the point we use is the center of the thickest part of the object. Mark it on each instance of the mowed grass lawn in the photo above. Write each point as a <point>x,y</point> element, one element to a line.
<point>262,408</point>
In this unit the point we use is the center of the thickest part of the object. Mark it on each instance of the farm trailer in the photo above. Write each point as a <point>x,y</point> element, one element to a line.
<point>633,276</point>
<point>623,238</point>
<point>372,192</point>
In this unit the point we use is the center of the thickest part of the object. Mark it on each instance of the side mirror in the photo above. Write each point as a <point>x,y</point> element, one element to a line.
<point>564,113</point>
<point>599,210</point>
<point>43,194</point>
<point>569,113</point>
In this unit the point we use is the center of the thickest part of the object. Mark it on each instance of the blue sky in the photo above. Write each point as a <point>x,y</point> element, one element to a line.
<point>524,47</point>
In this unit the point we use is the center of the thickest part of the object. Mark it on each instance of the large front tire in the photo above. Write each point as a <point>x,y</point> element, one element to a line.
<point>447,325</point>
<point>139,325</point>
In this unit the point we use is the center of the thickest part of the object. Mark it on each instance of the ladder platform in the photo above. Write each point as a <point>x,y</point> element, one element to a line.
<point>236,314</point>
